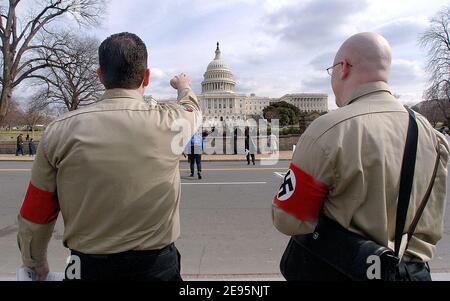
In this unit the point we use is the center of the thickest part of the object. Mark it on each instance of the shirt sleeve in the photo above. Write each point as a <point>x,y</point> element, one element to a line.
<point>191,111</point>
<point>39,211</point>
<point>183,118</point>
<point>298,203</point>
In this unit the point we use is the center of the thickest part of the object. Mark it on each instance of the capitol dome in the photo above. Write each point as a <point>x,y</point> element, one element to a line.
<point>218,77</point>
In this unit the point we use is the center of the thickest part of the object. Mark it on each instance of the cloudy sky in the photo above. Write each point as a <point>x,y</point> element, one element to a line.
<point>274,47</point>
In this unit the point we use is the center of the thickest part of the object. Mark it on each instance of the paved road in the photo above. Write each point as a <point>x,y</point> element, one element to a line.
<point>226,223</point>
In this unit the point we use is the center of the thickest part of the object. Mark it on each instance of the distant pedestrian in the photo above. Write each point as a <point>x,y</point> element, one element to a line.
<point>31,147</point>
<point>20,143</point>
<point>273,144</point>
<point>250,148</point>
<point>194,151</point>
<point>28,137</point>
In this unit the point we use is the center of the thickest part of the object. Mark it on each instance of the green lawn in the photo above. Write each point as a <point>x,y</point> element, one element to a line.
<point>12,135</point>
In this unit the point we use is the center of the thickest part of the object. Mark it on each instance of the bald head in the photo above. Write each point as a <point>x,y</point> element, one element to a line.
<point>369,53</point>
<point>367,58</point>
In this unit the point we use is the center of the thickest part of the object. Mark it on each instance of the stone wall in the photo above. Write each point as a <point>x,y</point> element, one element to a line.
<point>9,147</point>
<point>287,142</point>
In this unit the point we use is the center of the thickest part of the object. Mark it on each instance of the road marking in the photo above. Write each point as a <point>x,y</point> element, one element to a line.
<point>239,169</point>
<point>208,169</point>
<point>280,175</point>
<point>229,183</point>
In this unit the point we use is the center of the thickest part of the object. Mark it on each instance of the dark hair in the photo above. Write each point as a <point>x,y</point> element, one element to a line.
<point>123,61</point>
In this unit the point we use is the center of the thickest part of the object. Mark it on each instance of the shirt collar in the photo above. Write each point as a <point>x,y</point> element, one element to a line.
<point>122,93</point>
<point>367,89</point>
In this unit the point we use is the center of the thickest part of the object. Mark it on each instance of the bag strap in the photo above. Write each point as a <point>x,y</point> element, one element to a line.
<point>426,198</point>
<point>406,179</point>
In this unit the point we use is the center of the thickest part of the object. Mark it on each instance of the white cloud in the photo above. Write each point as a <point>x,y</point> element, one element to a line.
<point>314,23</point>
<point>158,73</point>
<point>408,79</point>
<point>406,72</point>
<point>403,30</point>
<point>323,60</point>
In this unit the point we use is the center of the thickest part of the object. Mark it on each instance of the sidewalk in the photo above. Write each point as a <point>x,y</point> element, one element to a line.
<point>283,156</point>
<point>437,277</point>
<point>16,158</point>
<point>188,277</point>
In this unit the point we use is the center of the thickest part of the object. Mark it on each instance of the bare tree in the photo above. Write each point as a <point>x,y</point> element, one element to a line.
<point>37,112</point>
<point>18,43</point>
<point>437,41</point>
<point>71,80</point>
<point>431,111</point>
<point>14,117</point>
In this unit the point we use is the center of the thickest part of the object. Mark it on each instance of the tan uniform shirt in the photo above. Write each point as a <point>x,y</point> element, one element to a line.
<point>357,152</point>
<point>113,170</point>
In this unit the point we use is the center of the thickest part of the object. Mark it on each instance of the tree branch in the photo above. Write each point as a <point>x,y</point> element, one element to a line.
<point>28,73</point>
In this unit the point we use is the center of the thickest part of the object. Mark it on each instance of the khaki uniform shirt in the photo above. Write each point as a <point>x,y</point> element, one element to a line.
<point>114,173</point>
<point>357,152</point>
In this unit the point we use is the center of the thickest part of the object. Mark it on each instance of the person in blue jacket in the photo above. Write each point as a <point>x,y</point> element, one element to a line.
<point>194,151</point>
<point>31,147</point>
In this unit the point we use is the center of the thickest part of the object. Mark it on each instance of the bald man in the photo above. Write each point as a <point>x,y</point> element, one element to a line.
<point>347,167</point>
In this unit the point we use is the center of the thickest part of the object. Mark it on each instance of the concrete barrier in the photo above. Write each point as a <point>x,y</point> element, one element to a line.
<point>285,143</point>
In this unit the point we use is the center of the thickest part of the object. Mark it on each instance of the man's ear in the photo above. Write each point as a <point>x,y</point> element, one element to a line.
<point>345,69</point>
<point>146,78</point>
<point>100,76</point>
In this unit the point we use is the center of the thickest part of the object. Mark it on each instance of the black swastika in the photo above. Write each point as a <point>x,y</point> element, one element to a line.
<point>287,186</point>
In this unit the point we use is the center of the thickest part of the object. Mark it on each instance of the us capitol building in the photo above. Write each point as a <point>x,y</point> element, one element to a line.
<point>220,102</point>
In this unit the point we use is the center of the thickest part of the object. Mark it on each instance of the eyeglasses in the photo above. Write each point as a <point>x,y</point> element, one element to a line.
<point>330,70</point>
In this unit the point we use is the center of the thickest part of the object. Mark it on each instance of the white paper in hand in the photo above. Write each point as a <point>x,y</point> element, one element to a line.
<point>27,274</point>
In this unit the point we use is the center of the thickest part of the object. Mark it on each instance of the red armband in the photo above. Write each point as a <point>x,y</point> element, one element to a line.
<point>301,195</point>
<point>40,207</point>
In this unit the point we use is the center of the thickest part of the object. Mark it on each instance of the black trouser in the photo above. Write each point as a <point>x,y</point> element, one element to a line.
<point>19,150</point>
<point>158,265</point>
<point>300,265</point>
<point>195,159</point>
<point>253,158</point>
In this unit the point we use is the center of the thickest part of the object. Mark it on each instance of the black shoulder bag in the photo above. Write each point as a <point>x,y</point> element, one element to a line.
<point>350,256</point>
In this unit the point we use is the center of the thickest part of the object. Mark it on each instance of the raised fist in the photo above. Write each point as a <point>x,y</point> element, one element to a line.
<point>180,81</point>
